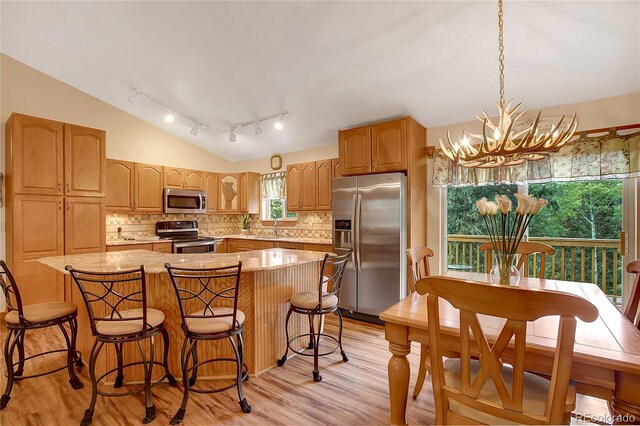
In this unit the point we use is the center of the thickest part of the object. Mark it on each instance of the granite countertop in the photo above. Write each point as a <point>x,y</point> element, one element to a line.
<point>256,260</point>
<point>150,240</point>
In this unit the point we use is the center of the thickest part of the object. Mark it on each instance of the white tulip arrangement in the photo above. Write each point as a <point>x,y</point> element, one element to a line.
<point>506,229</point>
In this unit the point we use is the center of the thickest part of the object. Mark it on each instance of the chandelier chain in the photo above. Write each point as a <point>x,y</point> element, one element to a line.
<point>501,51</point>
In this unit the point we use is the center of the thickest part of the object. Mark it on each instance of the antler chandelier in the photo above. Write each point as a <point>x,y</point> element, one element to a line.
<point>501,144</point>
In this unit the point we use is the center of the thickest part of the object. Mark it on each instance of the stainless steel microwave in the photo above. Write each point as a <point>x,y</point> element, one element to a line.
<point>184,201</point>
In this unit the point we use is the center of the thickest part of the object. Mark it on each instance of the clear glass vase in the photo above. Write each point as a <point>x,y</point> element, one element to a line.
<point>504,271</point>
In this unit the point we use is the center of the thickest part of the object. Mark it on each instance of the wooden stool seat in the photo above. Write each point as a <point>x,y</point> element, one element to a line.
<point>155,318</point>
<point>216,320</point>
<point>42,312</point>
<point>534,400</point>
<point>309,300</point>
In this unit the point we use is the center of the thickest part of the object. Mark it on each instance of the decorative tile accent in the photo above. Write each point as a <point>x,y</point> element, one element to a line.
<point>137,225</point>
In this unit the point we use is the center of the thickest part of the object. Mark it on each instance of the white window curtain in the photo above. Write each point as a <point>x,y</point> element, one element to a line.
<point>274,185</point>
<point>611,156</point>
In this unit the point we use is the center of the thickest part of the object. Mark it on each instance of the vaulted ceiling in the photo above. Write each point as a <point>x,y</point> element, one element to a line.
<point>331,64</point>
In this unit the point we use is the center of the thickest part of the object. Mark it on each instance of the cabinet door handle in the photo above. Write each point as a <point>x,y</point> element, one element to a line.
<point>68,205</point>
<point>59,187</point>
<point>59,205</point>
<point>68,187</point>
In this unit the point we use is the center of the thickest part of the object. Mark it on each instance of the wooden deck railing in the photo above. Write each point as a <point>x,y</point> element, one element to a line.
<point>576,259</point>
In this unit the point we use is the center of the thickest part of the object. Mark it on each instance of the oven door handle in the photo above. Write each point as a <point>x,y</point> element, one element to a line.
<point>195,244</point>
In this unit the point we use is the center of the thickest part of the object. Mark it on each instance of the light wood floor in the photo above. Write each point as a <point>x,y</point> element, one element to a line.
<point>354,393</point>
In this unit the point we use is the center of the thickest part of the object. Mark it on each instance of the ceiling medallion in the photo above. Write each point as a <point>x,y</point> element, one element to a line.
<point>502,144</point>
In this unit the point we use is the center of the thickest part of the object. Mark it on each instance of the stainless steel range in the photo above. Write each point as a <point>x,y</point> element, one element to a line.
<point>184,234</point>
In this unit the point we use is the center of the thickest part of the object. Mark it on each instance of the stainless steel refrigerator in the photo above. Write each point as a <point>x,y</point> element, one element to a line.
<point>370,216</point>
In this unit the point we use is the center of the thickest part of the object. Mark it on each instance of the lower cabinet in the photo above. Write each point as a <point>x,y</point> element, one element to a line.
<point>159,247</point>
<point>326,248</point>
<point>234,245</point>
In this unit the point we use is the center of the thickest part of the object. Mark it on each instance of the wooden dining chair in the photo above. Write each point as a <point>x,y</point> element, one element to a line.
<point>462,392</point>
<point>525,249</point>
<point>419,260</point>
<point>631,310</point>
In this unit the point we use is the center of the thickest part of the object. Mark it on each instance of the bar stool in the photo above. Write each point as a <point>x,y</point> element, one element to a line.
<point>319,303</point>
<point>208,300</point>
<point>22,318</point>
<point>122,296</point>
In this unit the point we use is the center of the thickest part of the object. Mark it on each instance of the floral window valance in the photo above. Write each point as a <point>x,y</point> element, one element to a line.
<point>611,156</point>
<point>274,185</point>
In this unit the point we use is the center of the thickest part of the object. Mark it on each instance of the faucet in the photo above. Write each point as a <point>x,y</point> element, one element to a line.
<point>275,227</point>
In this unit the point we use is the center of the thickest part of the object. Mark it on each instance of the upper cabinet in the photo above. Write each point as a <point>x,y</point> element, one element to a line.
<point>211,188</point>
<point>229,192</point>
<point>250,192</point>
<point>309,185</point>
<point>120,185</point>
<point>84,161</point>
<point>324,177</point>
<point>355,150</point>
<point>35,155</point>
<point>389,146</point>
<point>175,177</point>
<point>148,188</point>
<point>294,183</point>
<point>134,186</point>
<point>336,167</point>
<point>379,148</point>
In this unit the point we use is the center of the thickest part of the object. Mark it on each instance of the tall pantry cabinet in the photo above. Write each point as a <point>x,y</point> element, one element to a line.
<point>55,199</point>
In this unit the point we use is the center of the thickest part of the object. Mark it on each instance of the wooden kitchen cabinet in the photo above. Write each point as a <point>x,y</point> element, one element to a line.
<point>126,247</point>
<point>229,192</point>
<point>163,247</point>
<point>84,161</point>
<point>148,188</point>
<point>211,188</point>
<point>326,248</point>
<point>34,155</point>
<point>35,228</point>
<point>84,227</point>
<point>222,246</point>
<point>336,165</point>
<point>389,146</point>
<point>175,177</point>
<point>355,151</point>
<point>120,185</point>
<point>308,188</point>
<point>324,177</point>
<point>381,147</point>
<point>294,184</point>
<point>240,245</point>
<point>249,192</point>
<point>288,245</point>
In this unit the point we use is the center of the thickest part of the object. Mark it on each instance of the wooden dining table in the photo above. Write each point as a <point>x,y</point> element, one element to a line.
<point>606,355</point>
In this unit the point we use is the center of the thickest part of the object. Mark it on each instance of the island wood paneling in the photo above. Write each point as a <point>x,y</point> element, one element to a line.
<point>263,298</point>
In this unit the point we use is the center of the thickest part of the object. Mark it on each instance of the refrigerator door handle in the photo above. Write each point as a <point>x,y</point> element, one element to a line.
<point>354,253</point>
<point>358,212</point>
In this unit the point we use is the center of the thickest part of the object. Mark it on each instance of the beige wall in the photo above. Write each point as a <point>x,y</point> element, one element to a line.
<point>596,114</point>
<point>263,165</point>
<point>28,91</point>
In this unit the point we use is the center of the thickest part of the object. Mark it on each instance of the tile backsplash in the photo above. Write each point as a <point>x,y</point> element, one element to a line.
<point>309,224</point>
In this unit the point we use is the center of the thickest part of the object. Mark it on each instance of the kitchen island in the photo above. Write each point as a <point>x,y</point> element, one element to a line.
<point>268,280</point>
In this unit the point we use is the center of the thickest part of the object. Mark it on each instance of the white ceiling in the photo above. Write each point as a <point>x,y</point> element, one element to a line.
<point>331,64</point>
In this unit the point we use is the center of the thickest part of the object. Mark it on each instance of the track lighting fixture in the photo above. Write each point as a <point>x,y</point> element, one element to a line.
<point>258,130</point>
<point>170,114</point>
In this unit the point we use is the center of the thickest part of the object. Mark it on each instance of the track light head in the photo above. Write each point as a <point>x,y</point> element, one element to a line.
<point>232,134</point>
<point>169,117</point>
<point>258,128</point>
<point>278,124</point>
<point>195,130</point>
<point>133,98</point>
